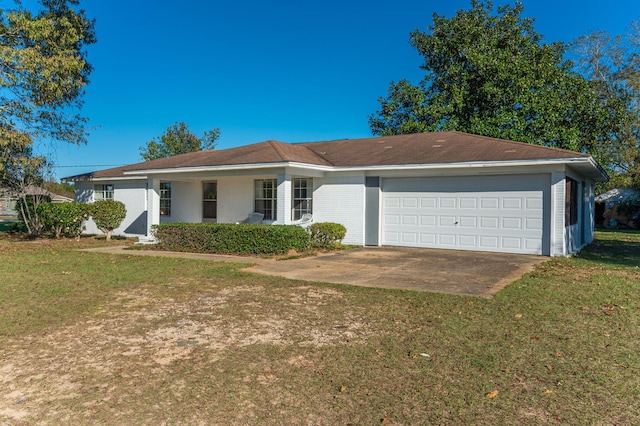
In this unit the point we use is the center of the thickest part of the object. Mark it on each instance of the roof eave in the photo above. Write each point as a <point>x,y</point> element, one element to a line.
<point>228,167</point>
<point>586,165</point>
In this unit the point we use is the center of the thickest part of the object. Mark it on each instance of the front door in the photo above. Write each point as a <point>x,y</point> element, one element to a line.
<point>209,201</point>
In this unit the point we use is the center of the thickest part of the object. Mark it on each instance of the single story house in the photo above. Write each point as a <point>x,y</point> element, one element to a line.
<point>447,190</point>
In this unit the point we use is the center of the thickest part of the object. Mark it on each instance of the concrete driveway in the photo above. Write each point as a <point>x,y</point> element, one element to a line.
<point>440,271</point>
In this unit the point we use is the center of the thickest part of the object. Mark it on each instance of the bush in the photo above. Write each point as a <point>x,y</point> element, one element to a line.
<point>108,215</point>
<point>631,209</point>
<point>326,234</point>
<point>63,218</point>
<point>231,238</point>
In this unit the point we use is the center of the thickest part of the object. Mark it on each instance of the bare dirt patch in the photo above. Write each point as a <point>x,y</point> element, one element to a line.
<point>129,350</point>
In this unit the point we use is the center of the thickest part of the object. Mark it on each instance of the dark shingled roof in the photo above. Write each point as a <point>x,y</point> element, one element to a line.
<point>413,149</point>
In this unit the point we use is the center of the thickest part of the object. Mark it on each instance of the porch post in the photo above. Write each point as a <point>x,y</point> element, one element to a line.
<point>153,204</point>
<point>284,198</point>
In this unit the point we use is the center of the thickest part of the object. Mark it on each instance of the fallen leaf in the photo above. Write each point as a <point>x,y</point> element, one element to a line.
<point>549,391</point>
<point>493,394</point>
<point>518,315</point>
<point>343,388</point>
<point>385,421</point>
<point>549,367</point>
<point>558,354</point>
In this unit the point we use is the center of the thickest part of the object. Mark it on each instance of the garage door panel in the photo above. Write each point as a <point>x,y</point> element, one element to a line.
<point>512,243</point>
<point>511,223</point>
<point>483,213</point>
<point>409,202</point>
<point>533,224</point>
<point>391,219</point>
<point>391,237</point>
<point>448,203</point>
<point>428,239</point>
<point>391,202</point>
<point>512,203</point>
<point>447,240</point>
<point>427,220</point>
<point>409,237</point>
<point>489,222</point>
<point>534,204</point>
<point>468,241</point>
<point>488,242</point>
<point>468,203</point>
<point>489,203</point>
<point>468,222</point>
<point>448,220</point>
<point>410,220</point>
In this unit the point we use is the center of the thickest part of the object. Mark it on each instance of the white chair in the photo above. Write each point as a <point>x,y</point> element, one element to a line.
<point>253,218</point>
<point>304,221</point>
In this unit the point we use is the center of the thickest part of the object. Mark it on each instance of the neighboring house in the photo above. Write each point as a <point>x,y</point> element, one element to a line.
<point>444,190</point>
<point>8,199</point>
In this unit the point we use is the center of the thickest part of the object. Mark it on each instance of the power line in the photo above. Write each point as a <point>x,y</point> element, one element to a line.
<point>90,165</point>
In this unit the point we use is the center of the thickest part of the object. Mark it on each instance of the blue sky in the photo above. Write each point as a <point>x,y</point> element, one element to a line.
<point>293,71</point>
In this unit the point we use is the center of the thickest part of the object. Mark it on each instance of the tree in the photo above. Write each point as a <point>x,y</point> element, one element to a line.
<point>43,74</point>
<point>22,172</point>
<point>178,139</point>
<point>614,65</point>
<point>108,215</point>
<point>491,75</point>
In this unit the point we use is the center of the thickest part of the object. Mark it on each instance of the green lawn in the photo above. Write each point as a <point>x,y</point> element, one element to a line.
<point>89,338</point>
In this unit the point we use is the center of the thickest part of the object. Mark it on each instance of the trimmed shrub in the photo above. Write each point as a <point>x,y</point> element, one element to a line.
<point>231,238</point>
<point>63,218</point>
<point>108,215</point>
<point>326,234</point>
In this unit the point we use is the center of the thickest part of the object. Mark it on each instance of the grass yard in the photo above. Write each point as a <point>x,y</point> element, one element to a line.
<point>91,338</point>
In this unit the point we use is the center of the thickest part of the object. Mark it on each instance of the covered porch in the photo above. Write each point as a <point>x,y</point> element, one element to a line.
<point>283,196</point>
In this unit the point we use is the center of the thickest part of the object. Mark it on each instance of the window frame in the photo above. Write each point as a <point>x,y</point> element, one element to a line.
<point>571,202</point>
<point>301,197</point>
<point>165,199</point>
<point>265,198</point>
<point>103,191</point>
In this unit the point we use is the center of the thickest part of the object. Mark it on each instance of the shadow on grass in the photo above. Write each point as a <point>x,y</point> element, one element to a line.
<point>614,247</point>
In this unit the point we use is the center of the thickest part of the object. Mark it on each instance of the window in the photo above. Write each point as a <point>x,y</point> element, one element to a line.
<point>165,198</point>
<point>209,200</point>
<point>266,197</point>
<point>571,202</point>
<point>102,192</point>
<point>302,197</point>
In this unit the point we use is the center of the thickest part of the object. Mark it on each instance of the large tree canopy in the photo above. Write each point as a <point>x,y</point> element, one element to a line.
<point>491,74</point>
<point>44,71</point>
<point>43,74</point>
<point>178,139</point>
<point>613,64</point>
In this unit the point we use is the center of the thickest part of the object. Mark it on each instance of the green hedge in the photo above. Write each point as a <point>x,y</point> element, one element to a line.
<point>232,238</point>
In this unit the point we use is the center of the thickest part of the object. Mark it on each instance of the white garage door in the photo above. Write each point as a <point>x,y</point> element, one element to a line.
<point>488,213</point>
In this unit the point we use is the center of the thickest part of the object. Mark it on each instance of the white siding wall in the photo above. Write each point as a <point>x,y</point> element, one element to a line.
<point>589,212</point>
<point>132,194</point>
<point>186,202</point>
<point>235,197</point>
<point>339,198</point>
<point>557,214</point>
